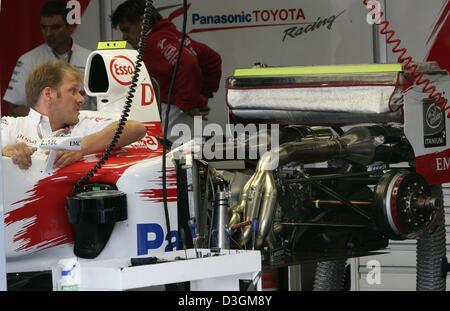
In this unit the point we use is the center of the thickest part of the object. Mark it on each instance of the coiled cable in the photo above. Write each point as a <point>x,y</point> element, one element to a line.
<point>125,113</point>
<point>416,77</point>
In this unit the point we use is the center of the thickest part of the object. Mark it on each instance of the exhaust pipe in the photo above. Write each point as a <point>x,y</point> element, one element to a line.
<point>357,145</point>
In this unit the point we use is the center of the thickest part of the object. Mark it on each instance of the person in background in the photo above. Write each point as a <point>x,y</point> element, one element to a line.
<point>199,73</point>
<point>53,91</point>
<point>57,34</point>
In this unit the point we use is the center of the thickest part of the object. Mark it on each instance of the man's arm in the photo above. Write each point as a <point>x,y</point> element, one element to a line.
<point>211,65</point>
<point>188,82</point>
<point>15,93</point>
<point>20,153</point>
<point>98,142</point>
<point>186,94</point>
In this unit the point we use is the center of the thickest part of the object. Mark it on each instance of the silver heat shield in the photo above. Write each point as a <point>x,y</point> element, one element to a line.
<point>319,99</point>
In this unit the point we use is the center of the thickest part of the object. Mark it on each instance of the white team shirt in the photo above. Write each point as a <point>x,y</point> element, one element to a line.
<point>15,93</point>
<point>35,126</point>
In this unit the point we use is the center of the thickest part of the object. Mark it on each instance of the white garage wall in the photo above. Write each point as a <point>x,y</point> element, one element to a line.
<point>349,40</point>
<point>87,33</point>
<point>413,21</point>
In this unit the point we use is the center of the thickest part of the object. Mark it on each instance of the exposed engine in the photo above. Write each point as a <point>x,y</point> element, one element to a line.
<point>352,201</point>
<point>327,191</point>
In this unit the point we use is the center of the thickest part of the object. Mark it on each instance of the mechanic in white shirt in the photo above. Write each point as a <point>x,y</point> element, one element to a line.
<point>53,91</point>
<point>58,45</point>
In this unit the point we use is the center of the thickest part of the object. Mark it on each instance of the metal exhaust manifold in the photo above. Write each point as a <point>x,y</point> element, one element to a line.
<point>358,145</point>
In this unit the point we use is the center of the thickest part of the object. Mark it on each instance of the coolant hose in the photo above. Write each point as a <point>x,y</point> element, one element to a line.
<point>330,276</point>
<point>431,249</point>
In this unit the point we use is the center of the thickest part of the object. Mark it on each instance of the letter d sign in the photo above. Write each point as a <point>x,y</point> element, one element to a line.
<point>148,94</point>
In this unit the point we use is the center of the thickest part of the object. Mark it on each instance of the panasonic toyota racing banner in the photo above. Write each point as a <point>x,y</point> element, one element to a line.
<point>276,33</point>
<point>307,32</point>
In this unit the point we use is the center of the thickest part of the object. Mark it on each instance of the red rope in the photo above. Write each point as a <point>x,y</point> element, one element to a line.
<point>407,61</point>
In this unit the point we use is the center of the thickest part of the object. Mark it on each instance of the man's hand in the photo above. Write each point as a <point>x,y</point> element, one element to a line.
<point>66,157</point>
<point>20,154</point>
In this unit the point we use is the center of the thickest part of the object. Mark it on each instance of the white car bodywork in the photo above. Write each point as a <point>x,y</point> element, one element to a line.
<point>37,230</point>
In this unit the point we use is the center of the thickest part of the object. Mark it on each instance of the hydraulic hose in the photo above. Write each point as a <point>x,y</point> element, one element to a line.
<point>129,99</point>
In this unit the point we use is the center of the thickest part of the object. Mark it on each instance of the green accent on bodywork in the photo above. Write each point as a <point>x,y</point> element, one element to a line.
<point>109,45</point>
<point>317,70</point>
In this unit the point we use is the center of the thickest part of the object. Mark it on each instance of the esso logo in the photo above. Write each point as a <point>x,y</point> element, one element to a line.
<point>150,142</point>
<point>122,69</point>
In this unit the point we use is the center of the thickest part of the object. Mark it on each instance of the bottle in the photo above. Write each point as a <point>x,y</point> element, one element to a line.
<point>69,280</point>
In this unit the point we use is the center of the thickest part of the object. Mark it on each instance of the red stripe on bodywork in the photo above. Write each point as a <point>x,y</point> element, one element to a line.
<point>157,195</point>
<point>433,167</point>
<point>441,47</point>
<point>197,30</point>
<point>45,207</point>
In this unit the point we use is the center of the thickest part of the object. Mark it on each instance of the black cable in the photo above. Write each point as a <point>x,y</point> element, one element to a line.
<point>166,121</point>
<point>125,113</point>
